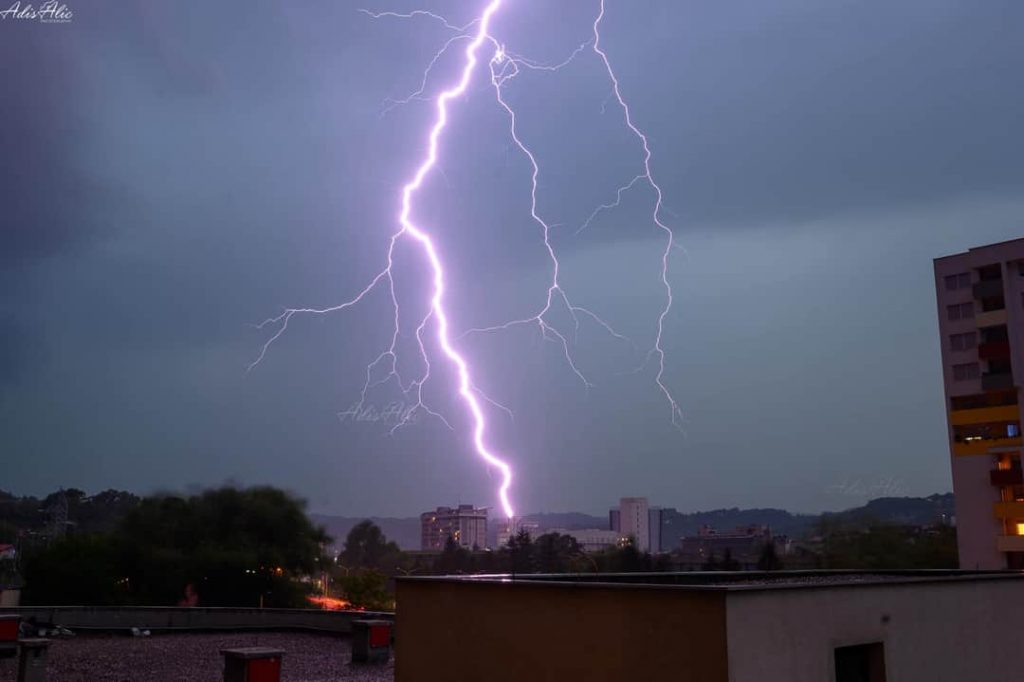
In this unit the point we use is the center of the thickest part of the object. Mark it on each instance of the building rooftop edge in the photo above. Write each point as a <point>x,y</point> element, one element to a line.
<point>729,581</point>
<point>979,248</point>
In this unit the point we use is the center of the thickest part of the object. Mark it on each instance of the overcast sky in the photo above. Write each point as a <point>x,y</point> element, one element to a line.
<point>171,174</point>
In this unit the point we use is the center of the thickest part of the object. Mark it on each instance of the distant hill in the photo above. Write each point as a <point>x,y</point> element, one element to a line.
<point>912,511</point>
<point>568,520</point>
<point>404,531</point>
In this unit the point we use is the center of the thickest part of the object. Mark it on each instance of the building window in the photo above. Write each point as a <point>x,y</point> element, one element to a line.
<point>966,371</point>
<point>965,341</point>
<point>960,311</point>
<point>961,281</point>
<point>861,663</point>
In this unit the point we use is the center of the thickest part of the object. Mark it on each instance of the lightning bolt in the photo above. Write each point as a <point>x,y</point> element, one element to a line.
<point>504,66</point>
<point>647,176</point>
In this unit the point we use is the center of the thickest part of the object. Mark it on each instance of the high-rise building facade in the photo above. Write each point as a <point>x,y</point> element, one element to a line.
<point>465,523</point>
<point>981,324</point>
<point>634,521</point>
<point>654,530</point>
<point>613,519</point>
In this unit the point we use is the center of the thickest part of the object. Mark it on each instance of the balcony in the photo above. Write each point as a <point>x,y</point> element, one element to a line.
<point>994,349</point>
<point>992,381</point>
<point>1008,510</point>
<point>983,415</point>
<point>983,447</point>
<point>1004,477</point>
<point>988,288</point>
<point>990,318</point>
<point>1010,543</point>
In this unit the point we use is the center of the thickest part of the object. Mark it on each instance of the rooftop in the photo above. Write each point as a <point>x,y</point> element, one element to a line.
<point>196,656</point>
<point>1001,244</point>
<point>732,580</point>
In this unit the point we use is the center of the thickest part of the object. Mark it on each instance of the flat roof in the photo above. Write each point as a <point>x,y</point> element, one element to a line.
<point>979,248</point>
<point>727,581</point>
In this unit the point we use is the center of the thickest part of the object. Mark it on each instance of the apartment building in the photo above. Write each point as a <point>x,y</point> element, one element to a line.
<point>980,297</point>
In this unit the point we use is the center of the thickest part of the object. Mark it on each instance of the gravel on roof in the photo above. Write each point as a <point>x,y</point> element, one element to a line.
<point>178,657</point>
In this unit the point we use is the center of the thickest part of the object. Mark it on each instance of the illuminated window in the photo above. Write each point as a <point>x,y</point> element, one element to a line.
<point>1019,527</point>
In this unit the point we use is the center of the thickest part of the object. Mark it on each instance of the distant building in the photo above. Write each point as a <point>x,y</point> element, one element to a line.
<point>592,539</point>
<point>654,526</point>
<point>512,527</point>
<point>743,545</point>
<point>465,523</point>
<point>589,539</point>
<point>981,327</point>
<point>614,522</point>
<point>634,521</point>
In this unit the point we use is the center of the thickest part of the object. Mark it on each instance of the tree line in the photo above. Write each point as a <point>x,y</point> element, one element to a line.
<point>257,546</point>
<point>224,547</point>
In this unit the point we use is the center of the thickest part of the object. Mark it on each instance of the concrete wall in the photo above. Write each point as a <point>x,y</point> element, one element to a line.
<point>976,525</point>
<point>499,632</point>
<point>958,631</point>
<point>179,618</point>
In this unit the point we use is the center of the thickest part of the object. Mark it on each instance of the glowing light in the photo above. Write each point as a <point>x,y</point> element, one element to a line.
<point>437,300</point>
<point>332,603</point>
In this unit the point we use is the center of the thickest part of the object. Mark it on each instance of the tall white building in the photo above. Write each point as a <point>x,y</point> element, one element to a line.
<point>634,521</point>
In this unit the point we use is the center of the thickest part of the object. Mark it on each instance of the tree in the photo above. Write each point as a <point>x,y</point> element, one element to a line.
<point>555,552</point>
<point>367,547</point>
<point>79,570</point>
<point>520,552</point>
<point>234,547</point>
<point>367,589</point>
<point>454,558</point>
<point>888,546</point>
<point>711,563</point>
<point>769,559</point>
<point>728,563</point>
<point>629,559</point>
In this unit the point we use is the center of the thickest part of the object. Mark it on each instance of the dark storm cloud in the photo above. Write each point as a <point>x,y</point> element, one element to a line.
<point>172,173</point>
<point>41,196</point>
<point>19,347</point>
<point>788,110</point>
